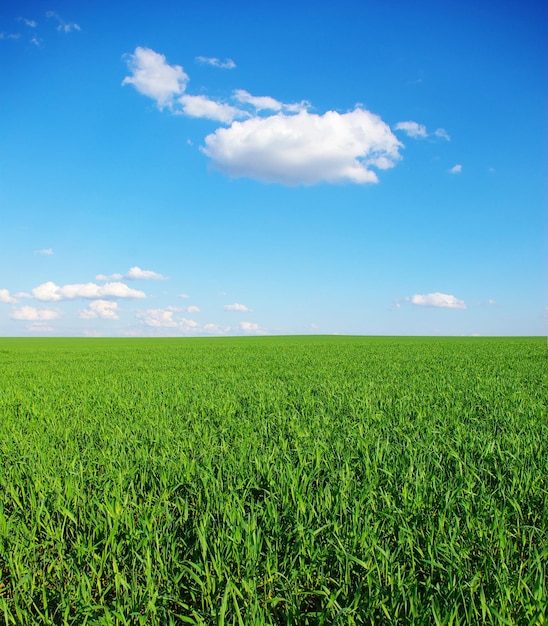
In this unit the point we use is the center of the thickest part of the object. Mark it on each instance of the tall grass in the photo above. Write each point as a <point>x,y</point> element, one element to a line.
<point>304,480</point>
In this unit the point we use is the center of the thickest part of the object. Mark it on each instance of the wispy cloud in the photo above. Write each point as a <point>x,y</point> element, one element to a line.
<point>227,64</point>
<point>204,107</point>
<point>418,131</point>
<point>456,169</point>
<point>10,35</point>
<point>242,308</point>
<point>62,25</point>
<point>44,251</point>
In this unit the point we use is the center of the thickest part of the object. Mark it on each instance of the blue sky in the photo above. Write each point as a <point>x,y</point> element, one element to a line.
<point>213,168</point>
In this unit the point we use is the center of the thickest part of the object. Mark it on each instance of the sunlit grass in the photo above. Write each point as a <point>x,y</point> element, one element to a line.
<point>294,480</point>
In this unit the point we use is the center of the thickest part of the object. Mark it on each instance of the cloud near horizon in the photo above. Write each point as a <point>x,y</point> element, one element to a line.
<point>289,145</point>
<point>50,292</point>
<point>32,314</point>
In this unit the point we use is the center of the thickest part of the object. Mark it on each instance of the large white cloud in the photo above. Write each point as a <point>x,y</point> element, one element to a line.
<point>32,314</point>
<point>50,292</point>
<point>443,300</point>
<point>305,148</point>
<point>155,78</point>
<point>104,309</point>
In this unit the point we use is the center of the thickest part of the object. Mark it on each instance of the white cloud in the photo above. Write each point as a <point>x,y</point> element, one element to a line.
<point>29,23</point>
<point>30,313</point>
<point>242,308</point>
<point>51,292</point>
<point>44,251</point>
<point>183,295</point>
<point>251,327</point>
<point>63,26</point>
<point>456,169</point>
<point>305,149</point>
<point>164,318</point>
<point>442,134</point>
<point>158,318</point>
<point>193,309</point>
<point>413,129</point>
<point>155,78</point>
<point>437,299</point>
<point>491,301</point>
<point>227,64</point>
<point>104,309</point>
<point>418,131</point>
<point>201,106</point>
<point>5,296</point>
<point>10,35</point>
<point>260,103</point>
<point>136,273</point>
<point>216,329</point>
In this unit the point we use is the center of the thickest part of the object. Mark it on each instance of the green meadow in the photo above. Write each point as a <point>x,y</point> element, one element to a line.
<point>274,480</point>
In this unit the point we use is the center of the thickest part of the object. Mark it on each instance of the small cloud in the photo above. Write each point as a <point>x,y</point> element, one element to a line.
<point>183,295</point>
<point>29,23</point>
<point>44,251</point>
<point>40,328</point>
<point>418,131</point>
<point>136,273</point>
<point>204,107</point>
<point>65,27</point>
<point>5,296</point>
<point>216,329</point>
<point>491,301</point>
<point>442,134</point>
<point>456,169</point>
<point>260,103</point>
<point>104,309</point>
<point>110,277</point>
<point>164,318</point>
<point>10,35</point>
<point>491,170</point>
<point>153,77</point>
<point>251,327</point>
<point>242,308</point>
<point>442,300</point>
<point>227,64</point>
<point>314,326</point>
<point>193,309</point>
<point>412,129</point>
<point>30,313</point>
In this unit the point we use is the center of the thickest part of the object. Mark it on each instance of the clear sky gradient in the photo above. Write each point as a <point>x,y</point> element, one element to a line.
<point>230,168</point>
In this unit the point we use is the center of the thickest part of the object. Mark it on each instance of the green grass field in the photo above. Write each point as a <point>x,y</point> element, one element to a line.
<point>274,480</point>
